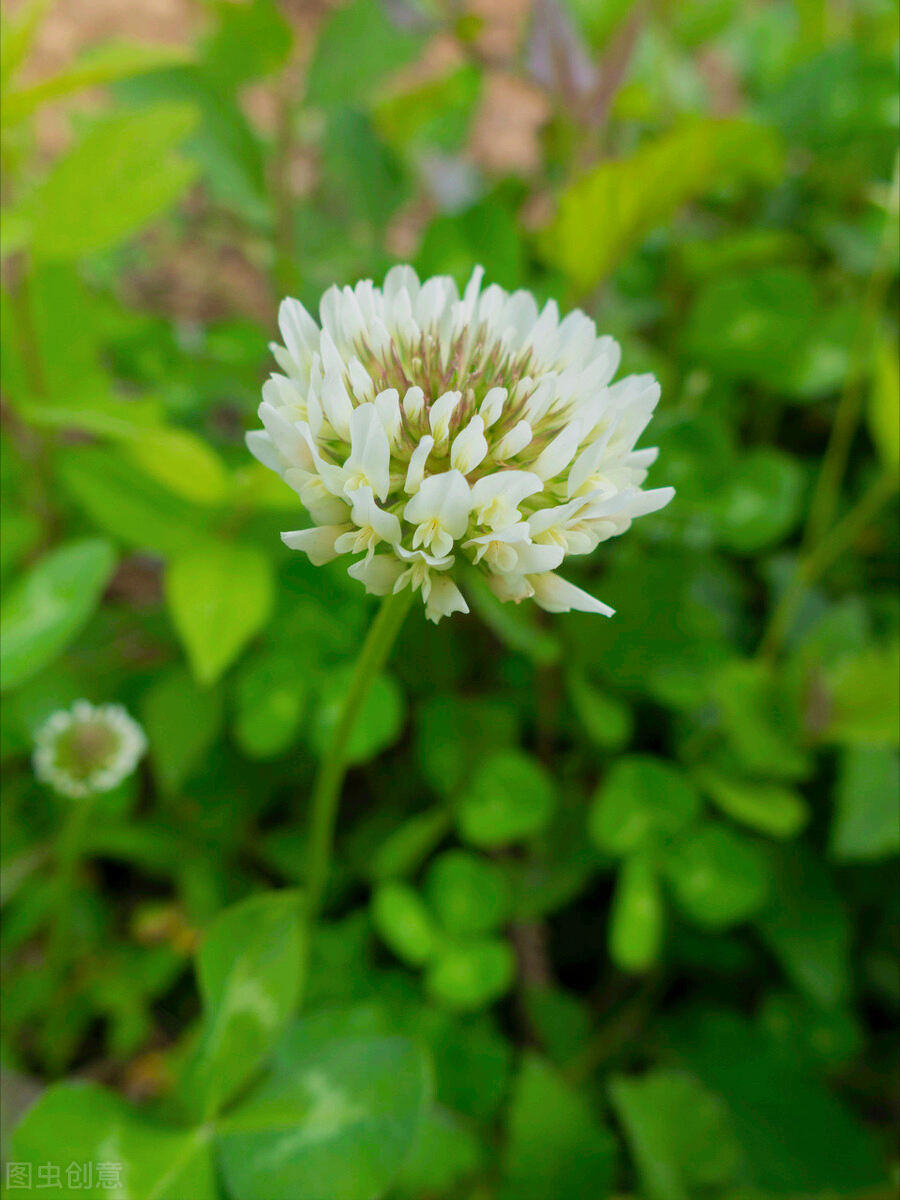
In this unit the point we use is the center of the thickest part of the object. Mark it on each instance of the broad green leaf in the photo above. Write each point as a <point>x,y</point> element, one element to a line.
<point>102,191</point>
<point>471,974</point>
<point>807,927</point>
<point>606,214</point>
<point>468,893</point>
<point>641,800</point>
<point>250,41</point>
<point>404,923</point>
<point>797,1139</point>
<point>510,797</point>
<point>126,503</point>
<point>865,700</point>
<point>339,1122</point>
<point>356,49</point>
<point>131,1155</point>
<point>606,719</point>
<point>636,920</point>
<point>48,607</point>
<point>679,1133</point>
<point>555,1147</point>
<point>455,735</point>
<point>106,416</point>
<point>809,1035</point>
<point>762,502</point>
<point>181,462</point>
<point>768,807</point>
<point>271,694</point>
<point>761,725</point>
<point>867,818</point>
<point>884,406</point>
<point>718,877</point>
<point>445,1153</point>
<point>101,65</point>
<point>219,597</point>
<point>18,37</point>
<point>249,973</point>
<point>182,722</point>
<point>379,723</point>
<point>404,850</point>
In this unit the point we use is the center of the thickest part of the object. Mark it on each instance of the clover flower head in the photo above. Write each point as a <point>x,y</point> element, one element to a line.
<point>87,749</point>
<point>429,432</point>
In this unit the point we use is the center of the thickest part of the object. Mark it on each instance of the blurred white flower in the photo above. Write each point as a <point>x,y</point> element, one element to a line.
<point>425,431</point>
<point>87,749</point>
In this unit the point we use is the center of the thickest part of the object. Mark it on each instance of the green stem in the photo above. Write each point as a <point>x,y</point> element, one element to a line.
<point>327,790</point>
<point>828,485</point>
<point>841,536</point>
<point>68,858</point>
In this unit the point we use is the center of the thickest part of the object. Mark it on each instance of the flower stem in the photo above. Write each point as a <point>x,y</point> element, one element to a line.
<point>327,790</point>
<point>68,858</point>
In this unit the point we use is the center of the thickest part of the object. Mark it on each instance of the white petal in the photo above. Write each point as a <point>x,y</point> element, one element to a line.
<point>444,598</point>
<point>492,405</point>
<point>379,574</point>
<point>387,405</point>
<point>370,450</point>
<point>360,381</point>
<point>366,514</point>
<point>287,437</point>
<point>535,558</point>
<point>643,458</point>
<point>337,404</point>
<point>299,330</point>
<point>514,442</point>
<point>541,399</point>
<point>510,587</point>
<point>414,404</point>
<point>469,447</point>
<point>317,542</point>
<point>417,460</point>
<point>554,458</point>
<point>263,449</point>
<point>651,501</point>
<point>440,415</point>
<point>445,498</point>
<point>556,595</point>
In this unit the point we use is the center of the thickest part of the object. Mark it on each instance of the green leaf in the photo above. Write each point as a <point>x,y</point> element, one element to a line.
<point>249,975</point>
<point>606,719</point>
<point>472,974</point>
<point>679,1133</point>
<point>607,213</point>
<point>468,893</point>
<point>219,597</point>
<point>83,1123</point>
<point>343,1117</point>
<point>554,1146</point>
<point>18,37</point>
<point>807,928</point>
<point>884,406</point>
<point>182,722</point>
<point>867,818</point>
<point>181,462</point>
<point>101,65</point>
<point>102,191</point>
<point>445,1153</point>
<point>865,701</point>
<point>356,49</point>
<point>510,797</point>
<point>768,807</point>
<point>404,850</point>
<point>404,923</point>
<point>761,724</point>
<point>455,735</point>
<point>125,503</point>
<point>795,1136</point>
<point>47,608</point>
<point>379,723</point>
<point>762,502</point>
<point>271,696</point>
<point>641,800</point>
<point>718,877</point>
<point>636,920</point>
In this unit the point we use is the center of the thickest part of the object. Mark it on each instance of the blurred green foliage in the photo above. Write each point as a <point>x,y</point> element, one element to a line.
<point>615,907</point>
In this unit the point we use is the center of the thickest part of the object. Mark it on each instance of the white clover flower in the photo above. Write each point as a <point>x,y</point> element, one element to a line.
<point>428,431</point>
<point>87,749</point>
